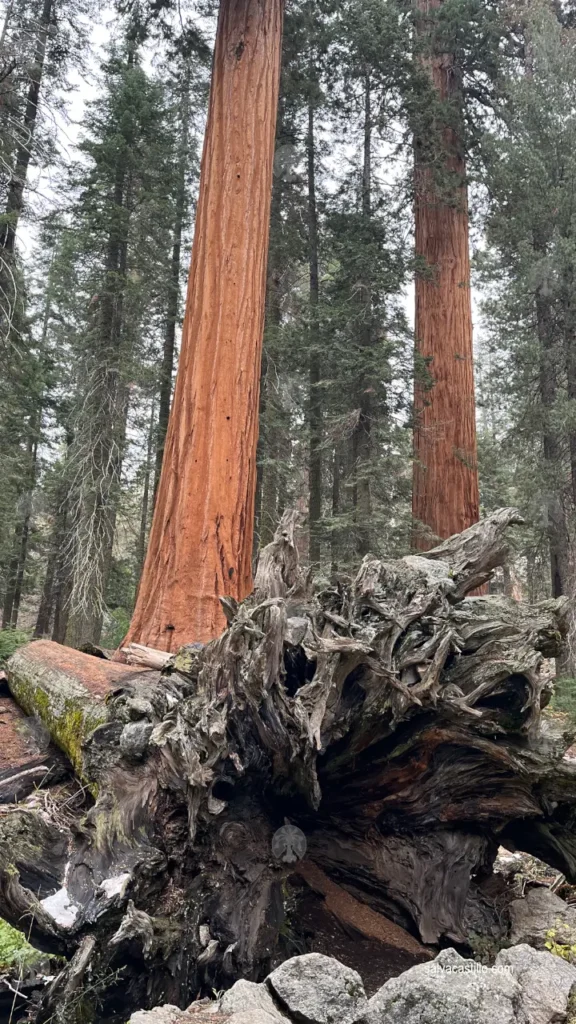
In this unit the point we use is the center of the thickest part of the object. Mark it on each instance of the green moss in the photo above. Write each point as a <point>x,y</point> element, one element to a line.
<point>15,951</point>
<point>69,718</point>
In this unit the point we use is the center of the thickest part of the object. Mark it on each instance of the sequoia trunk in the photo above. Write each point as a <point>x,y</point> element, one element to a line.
<point>201,539</point>
<point>445,480</point>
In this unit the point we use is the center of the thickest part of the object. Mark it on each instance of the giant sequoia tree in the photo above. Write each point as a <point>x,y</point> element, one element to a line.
<point>445,480</point>
<point>201,539</point>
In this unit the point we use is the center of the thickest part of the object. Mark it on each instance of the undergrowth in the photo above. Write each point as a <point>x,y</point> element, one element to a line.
<point>11,640</point>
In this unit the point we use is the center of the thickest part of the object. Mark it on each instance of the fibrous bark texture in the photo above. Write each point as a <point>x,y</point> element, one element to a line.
<point>200,545</point>
<point>394,724</point>
<point>445,479</point>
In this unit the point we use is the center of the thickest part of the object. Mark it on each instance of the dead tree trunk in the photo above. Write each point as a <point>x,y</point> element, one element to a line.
<point>445,478</point>
<point>400,725</point>
<point>17,184</point>
<point>200,544</point>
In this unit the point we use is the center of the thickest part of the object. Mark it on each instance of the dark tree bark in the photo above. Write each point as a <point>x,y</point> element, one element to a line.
<point>48,609</point>
<point>17,185</point>
<point>336,480</point>
<point>569,314</point>
<point>551,445</point>
<point>362,436</point>
<point>17,566</point>
<point>269,449</point>
<point>99,441</point>
<point>172,312</point>
<point>315,416</point>
<point>398,723</point>
<point>145,507</point>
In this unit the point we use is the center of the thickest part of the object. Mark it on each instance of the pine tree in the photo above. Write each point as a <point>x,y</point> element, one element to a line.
<point>120,229</point>
<point>529,267</point>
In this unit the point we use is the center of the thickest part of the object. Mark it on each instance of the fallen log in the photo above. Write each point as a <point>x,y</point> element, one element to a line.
<point>397,725</point>
<point>28,758</point>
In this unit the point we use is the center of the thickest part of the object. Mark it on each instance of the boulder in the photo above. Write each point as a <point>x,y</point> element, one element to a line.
<point>247,996</point>
<point>317,989</point>
<point>546,983</point>
<point>252,1017</point>
<point>449,990</point>
<point>536,914</point>
<point>166,1014</point>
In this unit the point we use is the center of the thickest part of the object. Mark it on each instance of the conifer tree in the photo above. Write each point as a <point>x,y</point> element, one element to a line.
<point>445,480</point>
<point>201,539</point>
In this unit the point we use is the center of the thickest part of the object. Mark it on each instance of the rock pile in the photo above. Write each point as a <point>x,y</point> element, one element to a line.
<point>524,986</point>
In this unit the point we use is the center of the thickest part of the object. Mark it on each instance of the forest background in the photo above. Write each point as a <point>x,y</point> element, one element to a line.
<point>101,122</point>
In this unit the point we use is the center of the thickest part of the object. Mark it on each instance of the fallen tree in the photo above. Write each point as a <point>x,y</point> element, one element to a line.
<point>388,723</point>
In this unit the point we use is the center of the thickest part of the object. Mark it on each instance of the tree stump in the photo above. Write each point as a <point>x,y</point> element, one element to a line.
<point>396,723</point>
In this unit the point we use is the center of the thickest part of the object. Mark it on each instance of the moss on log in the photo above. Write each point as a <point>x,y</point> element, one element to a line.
<point>67,691</point>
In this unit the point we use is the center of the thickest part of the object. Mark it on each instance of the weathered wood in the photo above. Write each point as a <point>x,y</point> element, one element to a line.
<point>28,758</point>
<point>149,657</point>
<point>399,724</point>
<point>67,690</point>
<point>357,915</point>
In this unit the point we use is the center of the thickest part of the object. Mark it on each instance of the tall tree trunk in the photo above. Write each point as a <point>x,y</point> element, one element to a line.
<point>569,314</point>
<point>268,450</point>
<point>145,508</point>
<point>5,25</point>
<point>46,606</point>
<point>315,373</point>
<point>15,199</point>
<point>362,436</point>
<point>17,566</point>
<point>445,478</point>
<point>168,348</point>
<point>62,580</point>
<point>551,448</point>
<point>97,460</point>
<point>334,535</point>
<point>201,539</point>
<point>53,590</point>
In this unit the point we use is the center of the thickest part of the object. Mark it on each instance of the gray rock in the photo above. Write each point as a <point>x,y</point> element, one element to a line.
<point>166,1014</point>
<point>448,990</point>
<point>134,739</point>
<point>536,914</point>
<point>253,1017</point>
<point>509,864</point>
<point>247,996</point>
<point>546,983</point>
<point>318,989</point>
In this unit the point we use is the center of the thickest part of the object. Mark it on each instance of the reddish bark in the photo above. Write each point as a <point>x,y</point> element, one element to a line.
<point>99,676</point>
<point>445,481</point>
<point>201,539</point>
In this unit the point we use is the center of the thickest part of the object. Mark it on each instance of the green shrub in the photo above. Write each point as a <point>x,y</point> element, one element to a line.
<point>116,626</point>
<point>11,640</point>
